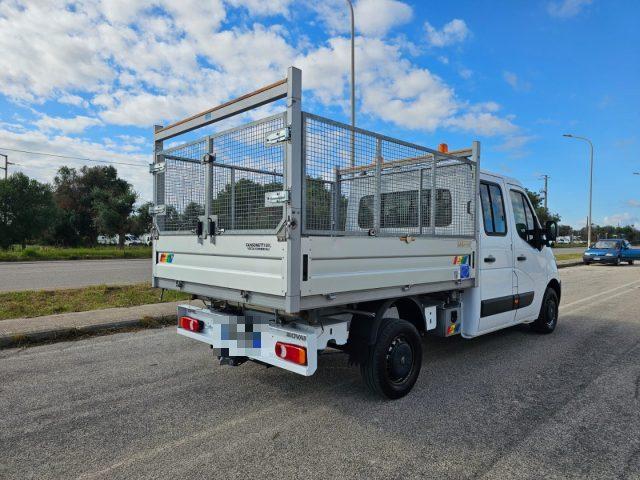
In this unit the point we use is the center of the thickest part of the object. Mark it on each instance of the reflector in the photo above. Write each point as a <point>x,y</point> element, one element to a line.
<point>292,353</point>
<point>191,324</point>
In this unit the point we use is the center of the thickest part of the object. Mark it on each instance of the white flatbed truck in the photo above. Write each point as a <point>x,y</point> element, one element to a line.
<point>300,234</point>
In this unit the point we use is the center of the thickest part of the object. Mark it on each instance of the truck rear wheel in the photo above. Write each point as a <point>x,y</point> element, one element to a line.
<point>548,319</point>
<point>393,364</point>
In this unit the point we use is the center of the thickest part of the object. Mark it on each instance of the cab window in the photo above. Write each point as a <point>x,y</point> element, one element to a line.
<point>523,215</point>
<point>493,215</point>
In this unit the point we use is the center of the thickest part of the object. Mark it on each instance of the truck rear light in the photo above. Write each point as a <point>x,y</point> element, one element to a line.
<point>292,353</point>
<point>191,324</point>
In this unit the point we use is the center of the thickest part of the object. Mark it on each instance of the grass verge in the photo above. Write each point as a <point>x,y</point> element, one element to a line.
<point>74,253</point>
<point>563,257</point>
<point>49,302</point>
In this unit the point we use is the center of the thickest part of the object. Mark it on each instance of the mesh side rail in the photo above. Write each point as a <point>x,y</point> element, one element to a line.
<point>243,169</point>
<point>183,187</point>
<point>361,183</point>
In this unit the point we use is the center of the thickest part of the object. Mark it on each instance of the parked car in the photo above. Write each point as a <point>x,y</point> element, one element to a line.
<point>131,240</point>
<point>613,251</point>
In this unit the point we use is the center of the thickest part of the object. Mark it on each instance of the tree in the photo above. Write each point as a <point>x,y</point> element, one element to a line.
<point>91,200</point>
<point>142,221</point>
<point>26,210</point>
<point>542,213</point>
<point>111,207</point>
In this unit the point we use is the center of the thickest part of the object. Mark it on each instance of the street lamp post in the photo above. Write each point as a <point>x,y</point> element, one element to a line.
<point>353,82</point>
<point>568,135</point>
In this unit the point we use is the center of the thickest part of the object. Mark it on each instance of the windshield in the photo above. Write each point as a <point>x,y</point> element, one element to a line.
<point>606,244</point>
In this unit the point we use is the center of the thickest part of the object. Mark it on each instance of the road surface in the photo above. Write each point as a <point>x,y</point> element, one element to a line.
<point>513,404</point>
<point>17,276</point>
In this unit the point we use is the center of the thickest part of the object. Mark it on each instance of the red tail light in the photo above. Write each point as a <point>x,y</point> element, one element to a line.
<point>191,324</point>
<point>292,353</point>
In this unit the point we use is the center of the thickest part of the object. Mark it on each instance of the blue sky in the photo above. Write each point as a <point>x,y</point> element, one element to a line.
<point>90,79</point>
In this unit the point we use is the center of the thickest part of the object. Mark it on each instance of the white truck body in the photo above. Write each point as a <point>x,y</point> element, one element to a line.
<point>300,231</point>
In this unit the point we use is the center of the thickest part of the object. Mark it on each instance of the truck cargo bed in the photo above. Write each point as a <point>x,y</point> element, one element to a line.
<point>296,211</point>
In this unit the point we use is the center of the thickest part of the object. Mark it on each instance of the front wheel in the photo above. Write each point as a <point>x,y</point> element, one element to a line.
<point>393,364</point>
<point>630,262</point>
<point>548,319</point>
<point>617,262</point>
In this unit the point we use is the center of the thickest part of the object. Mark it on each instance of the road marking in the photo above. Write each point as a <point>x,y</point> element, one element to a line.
<point>586,299</point>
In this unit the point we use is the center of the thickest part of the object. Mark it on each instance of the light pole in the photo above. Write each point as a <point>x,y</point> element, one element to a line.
<point>568,135</point>
<point>353,82</point>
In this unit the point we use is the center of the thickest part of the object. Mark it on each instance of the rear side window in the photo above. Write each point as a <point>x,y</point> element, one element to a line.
<point>400,209</point>
<point>493,214</point>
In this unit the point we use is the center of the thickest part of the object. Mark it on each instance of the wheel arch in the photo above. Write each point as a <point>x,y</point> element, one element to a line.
<point>555,285</point>
<point>409,308</point>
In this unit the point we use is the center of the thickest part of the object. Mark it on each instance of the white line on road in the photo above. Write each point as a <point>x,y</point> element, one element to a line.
<point>582,300</point>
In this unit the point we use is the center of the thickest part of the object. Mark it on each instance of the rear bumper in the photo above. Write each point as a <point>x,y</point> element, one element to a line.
<point>590,259</point>
<point>255,334</point>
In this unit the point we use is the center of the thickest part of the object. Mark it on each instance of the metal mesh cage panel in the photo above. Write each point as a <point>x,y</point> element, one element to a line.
<point>243,169</point>
<point>183,187</point>
<point>358,182</point>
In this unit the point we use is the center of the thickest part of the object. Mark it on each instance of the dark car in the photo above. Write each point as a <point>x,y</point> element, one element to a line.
<point>612,251</point>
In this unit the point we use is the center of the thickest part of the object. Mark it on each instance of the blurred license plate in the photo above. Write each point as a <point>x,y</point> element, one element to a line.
<point>596,258</point>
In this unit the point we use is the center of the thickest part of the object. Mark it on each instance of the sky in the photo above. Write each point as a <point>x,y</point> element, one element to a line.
<point>91,78</point>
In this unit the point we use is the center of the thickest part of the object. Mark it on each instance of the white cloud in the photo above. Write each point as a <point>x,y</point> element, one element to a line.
<point>70,99</point>
<point>567,8</point>
<point>44,168</point>
<point>622,219</point>
<point>76,124</point>
<point>456,31</point>
<point>264,7</point>
<point>392,88</point>
<point>515,142</point>
<point>373,17</point>
<point>633,203</point>
<point>516,82</point>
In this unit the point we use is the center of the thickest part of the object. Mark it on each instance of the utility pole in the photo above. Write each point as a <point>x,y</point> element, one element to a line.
<point>546,188</point>
<point>6,165</point>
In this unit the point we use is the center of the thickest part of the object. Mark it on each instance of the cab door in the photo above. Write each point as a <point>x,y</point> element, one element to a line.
<point>530,259</point>
<point>497,280</point>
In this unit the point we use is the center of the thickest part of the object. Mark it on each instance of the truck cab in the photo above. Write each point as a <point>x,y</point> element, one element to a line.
<point>516,265</point>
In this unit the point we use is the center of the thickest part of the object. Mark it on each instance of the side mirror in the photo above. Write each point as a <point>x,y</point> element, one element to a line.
<point>551,230</point>
<point>521,228</point>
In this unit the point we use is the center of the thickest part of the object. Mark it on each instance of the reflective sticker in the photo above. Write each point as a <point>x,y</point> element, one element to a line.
<point>166,258</point>
<point>465,271</point>
<point>461,260</point>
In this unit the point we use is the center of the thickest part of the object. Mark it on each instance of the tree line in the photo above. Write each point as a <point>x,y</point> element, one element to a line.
<point>72,211</point>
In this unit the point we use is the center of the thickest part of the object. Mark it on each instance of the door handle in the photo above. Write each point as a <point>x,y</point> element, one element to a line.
<point>490,259</point>
<point>522,258</point>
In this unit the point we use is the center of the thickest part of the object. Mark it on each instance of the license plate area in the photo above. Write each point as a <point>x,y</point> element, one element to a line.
<point>229,334</point>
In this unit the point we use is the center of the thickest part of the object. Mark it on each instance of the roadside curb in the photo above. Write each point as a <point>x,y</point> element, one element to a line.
<point>20,339</point>
<point>570,264</point>
<point>18,332</point>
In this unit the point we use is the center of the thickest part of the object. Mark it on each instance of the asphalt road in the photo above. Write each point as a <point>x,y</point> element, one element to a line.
<point>512,404</point>
<point>17,276</point>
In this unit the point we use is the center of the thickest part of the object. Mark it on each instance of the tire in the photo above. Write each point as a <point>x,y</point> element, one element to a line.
<point>630,262</point>
<point>586,263</point>
<point>617,262</point>
<point>548,319</point>
<point>393,363</point>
